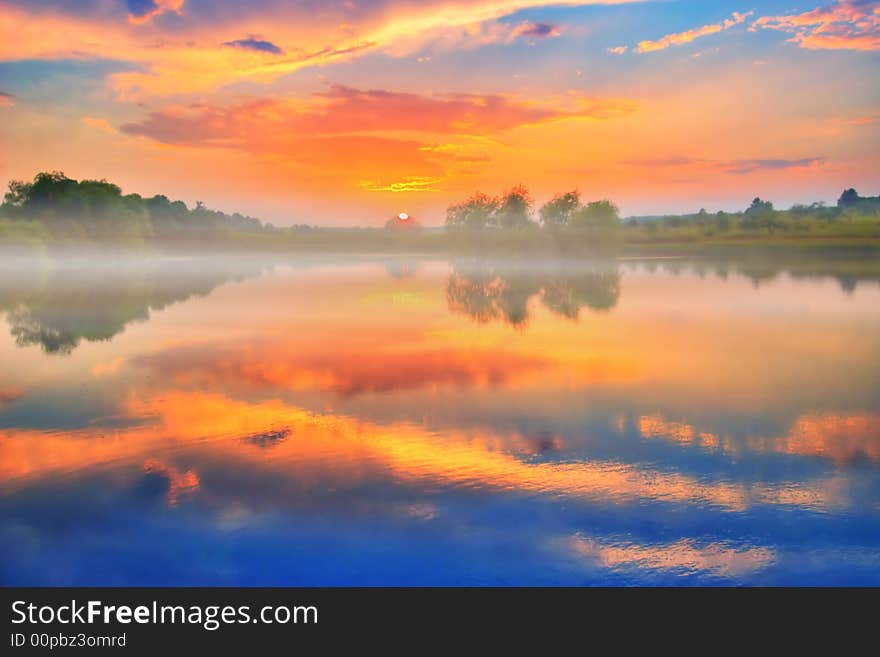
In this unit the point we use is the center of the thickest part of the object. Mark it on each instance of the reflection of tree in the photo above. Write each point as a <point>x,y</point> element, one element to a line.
<point>596,290</point>
<point>28,331</point>
<point>848,268</point>
<point>60,304</point>
<point>485,294</point>
<point>485,291</point>
<point>476,297</point>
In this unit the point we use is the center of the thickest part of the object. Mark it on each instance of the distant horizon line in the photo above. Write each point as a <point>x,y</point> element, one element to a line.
<point>645,216</point>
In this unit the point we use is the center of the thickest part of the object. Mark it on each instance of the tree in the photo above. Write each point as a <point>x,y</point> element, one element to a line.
<point>760,214</point>
<point>557,212</point>
<point>94,209</point>
<point>597,222</point>
<point>598,215</point>
<point>49,191</point>
<point>476,213</point>
<point>759,207</point>
<point>515,209</point>
<point>849,198</point>
<point>19,192</point>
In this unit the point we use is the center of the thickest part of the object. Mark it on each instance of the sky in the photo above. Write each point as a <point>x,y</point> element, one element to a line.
<point>346,112</point>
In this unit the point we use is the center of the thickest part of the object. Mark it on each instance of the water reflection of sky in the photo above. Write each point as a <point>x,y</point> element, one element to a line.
<point>424,422</point>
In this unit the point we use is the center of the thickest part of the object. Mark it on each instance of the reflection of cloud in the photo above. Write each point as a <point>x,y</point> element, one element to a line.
<point>107,369</point>
<point>685,556</point>
<point>180,483</point>
<point>841,25</point>
<point>266,439</point>
<point>681,38</point>
<point>841,438</point>
<point>341,448</point>
<point>346,369</point>
<point>422,511</point>
<point>9,395</point>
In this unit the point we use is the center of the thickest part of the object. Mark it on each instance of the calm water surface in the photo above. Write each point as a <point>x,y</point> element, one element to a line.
<point>344,420</point>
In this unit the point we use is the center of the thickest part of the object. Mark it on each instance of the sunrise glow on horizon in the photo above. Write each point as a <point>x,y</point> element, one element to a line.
<point>341,112</point>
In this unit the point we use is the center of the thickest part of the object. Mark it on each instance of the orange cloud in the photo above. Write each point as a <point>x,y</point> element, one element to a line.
<point>99,123</point>
<point>412,184</point>
<point>345,110</point>
<point>300,167</point>
<point>373,140</point>
<point>6,100</point>
<point>842,25</point>
<point>859,120</point>
<point>681,38</point>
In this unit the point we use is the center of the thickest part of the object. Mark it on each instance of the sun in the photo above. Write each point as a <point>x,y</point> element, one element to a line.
<point>403,216</point>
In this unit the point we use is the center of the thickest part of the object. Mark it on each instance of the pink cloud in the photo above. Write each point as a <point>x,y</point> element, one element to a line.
<point>535,30</point>
<point>842,25</point>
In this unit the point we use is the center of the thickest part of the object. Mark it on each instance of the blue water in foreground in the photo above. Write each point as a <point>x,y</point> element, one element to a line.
<point>402,421</point>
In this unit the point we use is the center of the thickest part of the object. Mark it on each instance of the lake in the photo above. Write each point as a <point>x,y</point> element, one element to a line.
<point>368,420</point>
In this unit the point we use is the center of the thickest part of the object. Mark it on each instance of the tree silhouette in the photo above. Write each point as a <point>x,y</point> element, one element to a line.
<point>514,209</point>
<point>96,209</point>
<point>476,213</point>
<point>556,213</point>
<point>848,199</point>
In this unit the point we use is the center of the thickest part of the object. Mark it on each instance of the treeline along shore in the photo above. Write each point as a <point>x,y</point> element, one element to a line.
<point>54,210</point>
